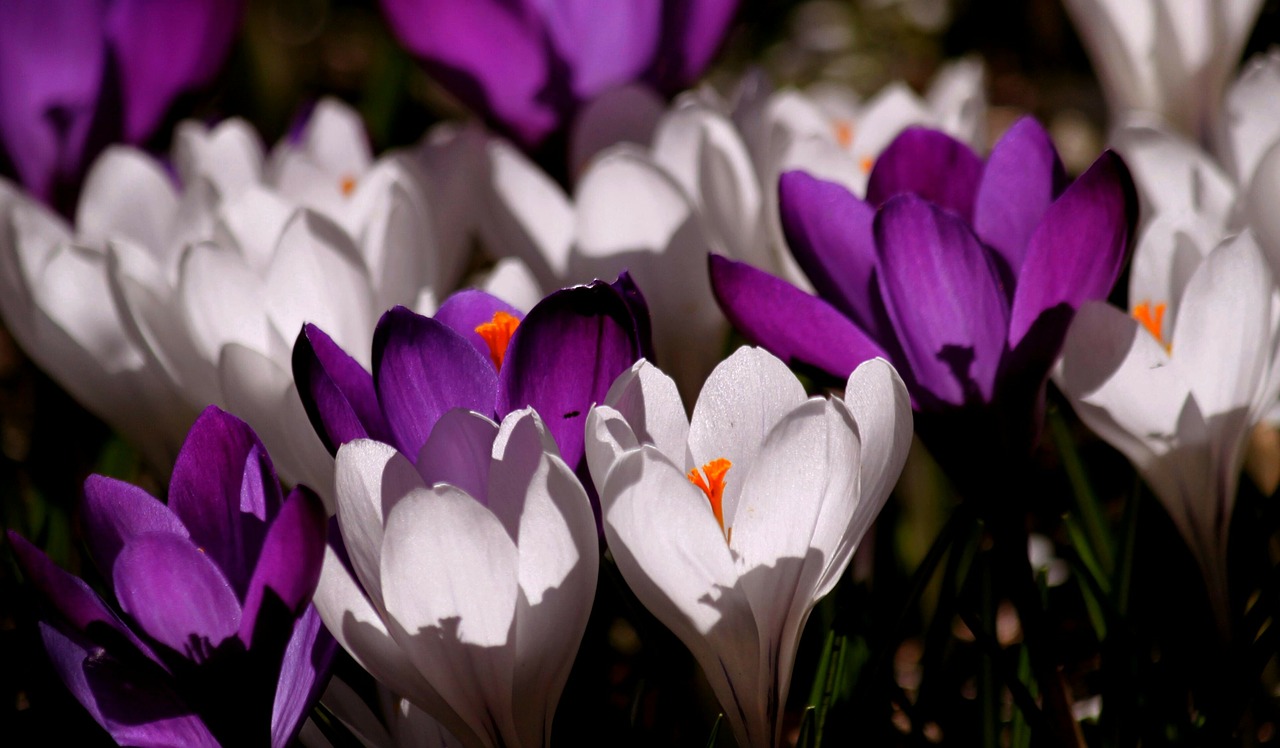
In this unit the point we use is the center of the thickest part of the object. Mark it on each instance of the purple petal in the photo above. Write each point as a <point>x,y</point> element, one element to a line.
<point>943,295</point>
<point>626,287</point>
<point>288,568</point>
<point>565,356</point>
<point>1077,251</point>
<point>76,605</point>
<point>602,45</point>
<point>421,369</point>
<point>176,594</point>
<point>931,164</point>
<point>336,391</point>
<point>225,490</point>
<point>466,310</point>
<point>303,676</point>
<point>115,512</point>
<point>133,702</point>
<point>692,31</point>
<point>801,329</point>
<point>52,59</point>
<point>163,49</point>
<point>1023,177</point>
<point>486,54</point>
<point>829,232</point>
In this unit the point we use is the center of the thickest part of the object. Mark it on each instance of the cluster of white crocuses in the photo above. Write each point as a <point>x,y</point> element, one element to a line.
<point>469,572</point>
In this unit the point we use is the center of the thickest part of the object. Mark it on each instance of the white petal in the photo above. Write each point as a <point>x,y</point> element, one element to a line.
<point>1168,251</point>
<point>957,98</point>
<point>334,139</point>
<point>743,399</point>
<point>1252,116</point>
<point>388,215</point>
<point>222,301</point>
<point>453,166</point>
<point>253,221</point>
<point>608,436</point>
<point>528,217</point>
<point>626,114</point>
<point>230,154</point>
<point>121,180</point>
<point>1173,174</point>
<point>649,402</point>
<point>458,452</point>
<point>513,282</point>
<point>1259,206</point>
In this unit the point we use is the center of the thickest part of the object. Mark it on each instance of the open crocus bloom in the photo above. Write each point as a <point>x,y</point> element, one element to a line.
<point>965,274</point>
<point>1165,60</point>
<point>218,642</point>
<point>477,353</point>
<point>468,575</point>
<point>556,55</point>
<point>1177,389</point>
<point>148,315</point>
<point>729,527</point>
<point>79,74</point>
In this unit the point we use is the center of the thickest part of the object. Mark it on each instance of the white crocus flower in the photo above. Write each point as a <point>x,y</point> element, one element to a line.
<point>1178,389</point>
<point>731,526</point>
<point>1165,61</point>
<point>470,576</point>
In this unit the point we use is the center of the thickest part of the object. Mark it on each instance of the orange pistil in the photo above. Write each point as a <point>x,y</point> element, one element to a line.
<point>1151,316</point>
<point>866,163</point>
<point>713,486</point>
<point>844,132</point>
<point>497,335</point>
<point>348,185</point>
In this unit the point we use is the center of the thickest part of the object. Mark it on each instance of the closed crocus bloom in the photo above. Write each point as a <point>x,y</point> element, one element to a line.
<point>79,74</point>
<point>214,640</point>
<point>1166,61</point>
<point>965,274</point>
<point>468,575</point>
<point>477,353</point>
<point>1177,385</point>
<point>527,66</point>
<point>731,525</point>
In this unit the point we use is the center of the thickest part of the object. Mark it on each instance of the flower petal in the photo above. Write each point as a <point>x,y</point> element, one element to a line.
<point>529,216</point>
<point>930,164</point>
<point>800,328</point>
<point>303,675</point>
<point>466,310</point>
<point>458,452</point>
<point>650,404</point>
<point>288,569</point>
<point>115,512</point>
<point>336,391</point>
<point>1022,178</point>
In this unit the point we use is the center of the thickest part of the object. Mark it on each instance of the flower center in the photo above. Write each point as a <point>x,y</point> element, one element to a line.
<point>347,184</point>
<point>713,487</point>
<point>497,335</point>
<point>843,129</point>
<point>866,163</point>
<point>1151,316</point>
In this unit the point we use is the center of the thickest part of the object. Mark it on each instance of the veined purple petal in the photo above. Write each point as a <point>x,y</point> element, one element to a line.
<point>801,329</point>
<point>1023,177</point>
<point>176,594</point>
<point>602,45</point>
<point>942,292</point>
<point>303,676</point>
<point>564,357</point>
<point>421,369</point>
<point>53,58</point>
<point>626,287</point>
<point>336,391</point>
<point>115,512</point>
<point>466,310</point>
<point>218,496</point>
<point>163,49</point>
<point>489,55</point>
<point>931,164</point>
<point>829,232</point>
<point>76,605</point>
<point>288,568</point>
<point>1077,250</point>
<point>692,31</point>
<point>133,701</point>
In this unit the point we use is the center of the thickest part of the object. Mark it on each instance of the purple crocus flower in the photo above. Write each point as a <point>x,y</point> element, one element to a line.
<point>481,354</point>
<point>526,65</point>
<point>963,274</point>
<point>76,75</point>
<point>215,640</point>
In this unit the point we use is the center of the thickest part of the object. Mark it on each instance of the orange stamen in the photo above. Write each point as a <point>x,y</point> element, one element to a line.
<point>713,486</point>
<point>348,185</point>
<point>866,163</point>
<point>1151,316</point>
<point>497,335</point>
<point>844,132</point>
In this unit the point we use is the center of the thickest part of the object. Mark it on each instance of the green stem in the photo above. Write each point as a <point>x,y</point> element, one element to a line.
<point>1090,512</point>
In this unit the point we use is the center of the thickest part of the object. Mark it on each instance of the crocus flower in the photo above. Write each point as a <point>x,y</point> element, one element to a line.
<point>527,66</point>
<point>1165,61</point>
<point>731,526</point>
<point>965,274</point>
<point>1178,384</point>
<point>80,74</point>
<point>214,640</point>
<point>480,354</point>
<point>469,573</point>
<point>147,316</point>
